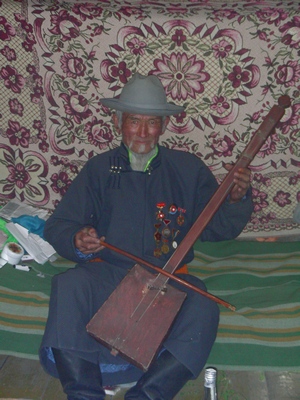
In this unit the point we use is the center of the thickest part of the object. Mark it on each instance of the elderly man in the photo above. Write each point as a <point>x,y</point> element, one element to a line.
<point>129,196</point>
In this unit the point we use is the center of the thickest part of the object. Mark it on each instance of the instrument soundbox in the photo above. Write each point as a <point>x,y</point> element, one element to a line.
<point>138,315</point>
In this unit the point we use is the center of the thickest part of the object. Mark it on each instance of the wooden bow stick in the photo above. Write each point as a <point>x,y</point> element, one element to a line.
<point>167,274</point>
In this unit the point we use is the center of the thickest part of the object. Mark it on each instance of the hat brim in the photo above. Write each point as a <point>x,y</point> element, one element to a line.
<point>163,110</point>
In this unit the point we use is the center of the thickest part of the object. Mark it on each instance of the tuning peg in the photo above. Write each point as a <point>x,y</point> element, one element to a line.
<point>284,101</point>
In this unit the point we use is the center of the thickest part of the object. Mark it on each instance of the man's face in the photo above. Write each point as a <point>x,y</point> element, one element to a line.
<point>140,133</point>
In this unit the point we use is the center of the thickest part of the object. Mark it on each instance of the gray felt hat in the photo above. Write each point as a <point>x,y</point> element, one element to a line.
<point>143,95</point>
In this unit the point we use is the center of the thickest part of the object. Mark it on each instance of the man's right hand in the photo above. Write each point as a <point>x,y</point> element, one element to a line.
<point>87,241</point>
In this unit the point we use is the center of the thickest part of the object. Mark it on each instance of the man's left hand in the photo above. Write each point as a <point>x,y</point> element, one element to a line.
<point>241,183</point>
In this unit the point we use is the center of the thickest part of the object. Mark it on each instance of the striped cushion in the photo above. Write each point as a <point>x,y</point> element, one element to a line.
<point>261,279</point>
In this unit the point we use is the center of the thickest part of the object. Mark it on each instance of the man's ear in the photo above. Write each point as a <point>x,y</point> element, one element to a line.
<point>165,124</point>
<point>115,121</point>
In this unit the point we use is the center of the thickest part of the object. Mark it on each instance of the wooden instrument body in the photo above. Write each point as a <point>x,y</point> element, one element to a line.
<point>135,319</point>
<point>137,302</point>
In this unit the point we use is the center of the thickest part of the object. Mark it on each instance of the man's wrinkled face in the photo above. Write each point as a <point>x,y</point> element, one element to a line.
<point>140,133</point>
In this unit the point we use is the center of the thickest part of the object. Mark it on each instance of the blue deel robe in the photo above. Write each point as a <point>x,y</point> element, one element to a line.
<point>146,214</point>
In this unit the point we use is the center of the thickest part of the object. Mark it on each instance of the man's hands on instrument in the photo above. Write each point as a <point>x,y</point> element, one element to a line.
<point>241,183</point>
<point>87,241</point>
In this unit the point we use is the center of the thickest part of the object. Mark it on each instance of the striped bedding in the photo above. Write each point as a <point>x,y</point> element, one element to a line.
<point>261,279</point>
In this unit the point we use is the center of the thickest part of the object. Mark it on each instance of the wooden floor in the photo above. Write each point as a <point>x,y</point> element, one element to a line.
<point>25,379</point>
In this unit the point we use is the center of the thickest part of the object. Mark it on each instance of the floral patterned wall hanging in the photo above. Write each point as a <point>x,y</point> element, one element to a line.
<point>226,62</point>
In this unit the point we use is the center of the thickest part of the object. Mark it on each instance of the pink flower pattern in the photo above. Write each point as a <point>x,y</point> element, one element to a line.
<point>291,33</point>
<point>12,80</point>
<point>219,104</point>
<point>288,74</point>
<point>76,106</point>
<point>259,200</point>
<point>16,107</point>
<point>238,76</point>
<point>18,135</point>
<point>60,183</point>
<point>181,76</point>
<point>136,46</point>
<point>72,66</point>
<point>99,133</point>
<point>282,198</point>
<point>226,65</point>
<point>7,31</point>
<point>17,176</point>
<point>8,53</point>
<point>121,72</point>
<point>65,25</point>
<point>222,49</point>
